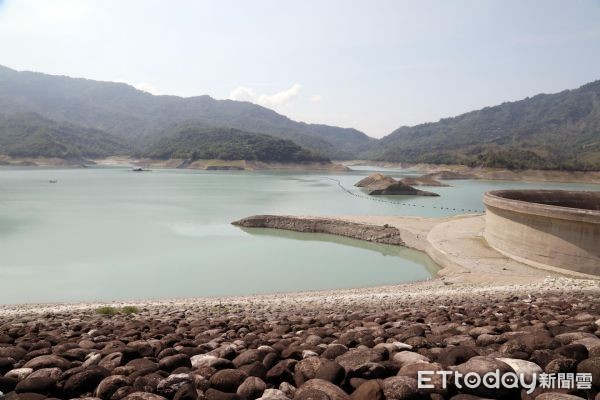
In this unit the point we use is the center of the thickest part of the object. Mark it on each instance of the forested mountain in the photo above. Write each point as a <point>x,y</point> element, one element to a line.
<point>129,113</point>
<point>30,135</point>
<point>547,131</point>
<point>201,142</point>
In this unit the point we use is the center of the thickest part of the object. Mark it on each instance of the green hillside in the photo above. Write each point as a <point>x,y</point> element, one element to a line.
<point>201,142</point>
<point>547,131</point>
<point>30,135</point>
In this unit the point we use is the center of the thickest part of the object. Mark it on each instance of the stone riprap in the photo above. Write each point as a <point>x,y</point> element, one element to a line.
<point>357,344</point>
<point>371,233</point>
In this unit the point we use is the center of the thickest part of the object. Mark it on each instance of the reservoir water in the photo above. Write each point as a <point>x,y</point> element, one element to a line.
<point>110,233</point>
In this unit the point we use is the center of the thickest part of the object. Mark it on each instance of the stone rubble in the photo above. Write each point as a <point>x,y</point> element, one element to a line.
<point>356,344</point>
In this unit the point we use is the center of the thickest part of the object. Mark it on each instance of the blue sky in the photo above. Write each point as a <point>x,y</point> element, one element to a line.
<point>372,65</point>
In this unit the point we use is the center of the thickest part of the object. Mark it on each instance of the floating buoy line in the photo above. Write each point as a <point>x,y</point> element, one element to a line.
<point>400,203</point>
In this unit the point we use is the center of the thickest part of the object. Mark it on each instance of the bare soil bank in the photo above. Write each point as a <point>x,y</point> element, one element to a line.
<point>41,162</point>
<point>492,173</point>
<point>172,163</point>
<point>479,173</point>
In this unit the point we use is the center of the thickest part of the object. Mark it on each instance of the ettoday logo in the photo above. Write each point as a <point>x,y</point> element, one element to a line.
<point>507,380</point>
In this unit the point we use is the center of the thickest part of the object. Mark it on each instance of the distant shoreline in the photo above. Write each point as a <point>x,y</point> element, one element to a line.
<point>529,175</point>
<point>586,177</point>
<point>216,165</point>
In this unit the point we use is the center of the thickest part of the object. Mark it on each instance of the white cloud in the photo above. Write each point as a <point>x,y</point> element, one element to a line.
<point>280,98</point>
<point>143,86</point>
<point>242,93</point>
<point>316,98</point>
<point>146,87</point>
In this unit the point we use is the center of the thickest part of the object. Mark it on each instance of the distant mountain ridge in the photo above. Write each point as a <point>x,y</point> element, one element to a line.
<point>547,131</point>
<point>140,117</point>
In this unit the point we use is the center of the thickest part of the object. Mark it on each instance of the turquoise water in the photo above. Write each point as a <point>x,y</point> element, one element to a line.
<point>109,233</point>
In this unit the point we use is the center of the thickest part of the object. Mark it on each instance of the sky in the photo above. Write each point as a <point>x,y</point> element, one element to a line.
<point>371,65</point>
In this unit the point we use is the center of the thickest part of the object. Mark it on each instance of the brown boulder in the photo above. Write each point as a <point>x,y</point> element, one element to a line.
<point>591,366</point>
<point>84,381</point>
<point>48,361</point>
<point>332,391</point>
<point>109,385</point>
<point>399,388</point>
<point>227,380</point>
<point>370,390</point>
<point>252,388</point>
<point>36,385</point>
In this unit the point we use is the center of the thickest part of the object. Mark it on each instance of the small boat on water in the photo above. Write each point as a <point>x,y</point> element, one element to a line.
<point>140,169</point>
<point>52,181</point>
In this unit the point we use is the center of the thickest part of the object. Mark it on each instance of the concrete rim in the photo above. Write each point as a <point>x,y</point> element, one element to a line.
<point>497,199</point>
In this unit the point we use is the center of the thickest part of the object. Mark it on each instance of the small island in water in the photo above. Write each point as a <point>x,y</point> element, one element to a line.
<point>379,184</point>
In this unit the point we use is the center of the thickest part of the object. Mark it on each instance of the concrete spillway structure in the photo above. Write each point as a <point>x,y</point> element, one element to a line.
<point>546,228</point>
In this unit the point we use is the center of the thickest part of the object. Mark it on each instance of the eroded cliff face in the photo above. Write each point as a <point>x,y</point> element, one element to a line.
<point>372,233</point>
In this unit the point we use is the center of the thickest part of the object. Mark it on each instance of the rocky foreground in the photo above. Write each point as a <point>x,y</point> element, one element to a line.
<point>357,344</point>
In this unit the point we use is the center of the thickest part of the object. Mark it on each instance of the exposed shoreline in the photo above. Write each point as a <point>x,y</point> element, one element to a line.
<point>587,177</point>
<point>215,165</point>
<point>591,177</point>
<point>455,243</point>
<point>461,261</point>
<point>329,300</point>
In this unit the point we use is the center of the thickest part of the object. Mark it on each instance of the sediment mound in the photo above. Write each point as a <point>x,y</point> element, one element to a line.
<point>379,184</point>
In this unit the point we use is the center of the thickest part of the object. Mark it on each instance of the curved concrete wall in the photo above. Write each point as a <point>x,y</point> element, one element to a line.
<point>546,228</point>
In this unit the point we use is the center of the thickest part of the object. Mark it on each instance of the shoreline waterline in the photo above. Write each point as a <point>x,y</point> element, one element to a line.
<point>455,244</point>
